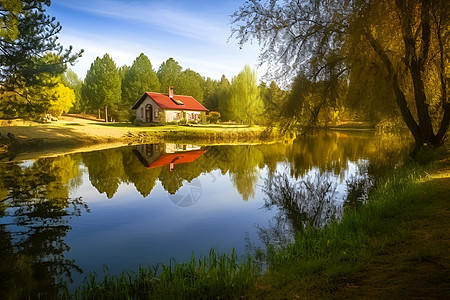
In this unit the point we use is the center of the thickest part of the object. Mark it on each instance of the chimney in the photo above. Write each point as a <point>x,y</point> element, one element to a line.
<point>170,91</point>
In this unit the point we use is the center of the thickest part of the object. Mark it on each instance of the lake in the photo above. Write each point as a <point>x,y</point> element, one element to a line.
<point>64,216</point>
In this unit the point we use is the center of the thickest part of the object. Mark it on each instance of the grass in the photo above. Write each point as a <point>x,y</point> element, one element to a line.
<point>380,250</point>
<point>214,276</point>
<point>322,263</point>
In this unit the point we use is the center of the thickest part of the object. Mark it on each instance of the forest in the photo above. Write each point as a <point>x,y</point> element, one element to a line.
<point>383,62</point>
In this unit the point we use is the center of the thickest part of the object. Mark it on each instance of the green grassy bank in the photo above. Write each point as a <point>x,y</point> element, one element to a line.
<point>398,239</point>
<point>334,262</point>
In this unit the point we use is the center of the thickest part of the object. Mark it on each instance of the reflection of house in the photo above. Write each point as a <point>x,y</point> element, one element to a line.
<point>158,155</point>
<point>157,107</point>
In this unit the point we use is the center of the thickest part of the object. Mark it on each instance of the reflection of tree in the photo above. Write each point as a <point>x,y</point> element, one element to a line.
<point>36,213</point>
<point>308,201</point>
<point>106,170</point>
<point>331,151</point>
<point>358,185</point>
<point>327,151</point>
<point>243,169</point>
<point>143,179</point>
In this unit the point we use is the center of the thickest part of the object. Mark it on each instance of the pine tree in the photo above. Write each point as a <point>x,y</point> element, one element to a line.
<point>168,74</point>
<point>102,85</point>
<point>26,35</point>
<point>139,78</point>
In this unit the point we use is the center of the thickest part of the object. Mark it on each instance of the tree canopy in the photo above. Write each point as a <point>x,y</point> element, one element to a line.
<point>102,85</point>
<point>139,78</point>
<point>168,74</point>
<point>244,102</point>
<point>27,37</point>
<point>397,51</point>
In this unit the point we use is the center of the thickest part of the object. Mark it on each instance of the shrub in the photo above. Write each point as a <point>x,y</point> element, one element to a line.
<point>213,117</point>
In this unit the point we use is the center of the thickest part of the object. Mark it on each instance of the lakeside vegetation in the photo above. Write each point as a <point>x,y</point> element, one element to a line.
<point>322,262</point>
<point>340,64</point>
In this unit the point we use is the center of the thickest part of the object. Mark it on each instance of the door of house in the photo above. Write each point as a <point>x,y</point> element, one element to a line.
<point>148,113</point>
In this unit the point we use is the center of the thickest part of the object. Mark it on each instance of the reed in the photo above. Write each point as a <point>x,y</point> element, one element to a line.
<point>213,276</point>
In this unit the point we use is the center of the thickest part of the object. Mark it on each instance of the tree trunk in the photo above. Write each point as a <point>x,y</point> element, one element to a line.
<point>423,114</point>
<point>99,114</point>
<point>106,114</point>
<point>399,95</point>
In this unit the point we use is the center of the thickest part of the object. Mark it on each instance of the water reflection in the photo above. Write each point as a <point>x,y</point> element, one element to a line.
<point>307,181</point>
<point>35,215</point>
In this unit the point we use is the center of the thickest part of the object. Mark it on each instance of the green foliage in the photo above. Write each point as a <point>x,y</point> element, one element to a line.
<point>190,83</point>
<point>187,82</point>
<point>71,80</point>
<point>27,37</point>
<point>51,96</point>
<point>218,97</point>
<point>214,276</point>
<point>390,56</point>
<point>213,117</point>
<point>102,85</point>
<point>168,74</point>
<point>138,79</point>
<point>337,250</point>
<point>244,103</point>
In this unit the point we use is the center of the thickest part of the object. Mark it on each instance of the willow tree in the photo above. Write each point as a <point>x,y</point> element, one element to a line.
<point>244,103</point>
<point>406,42</point>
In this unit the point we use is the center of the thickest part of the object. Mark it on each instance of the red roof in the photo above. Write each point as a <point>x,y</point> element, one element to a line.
<point>176,158</point>
<point>165,102</point>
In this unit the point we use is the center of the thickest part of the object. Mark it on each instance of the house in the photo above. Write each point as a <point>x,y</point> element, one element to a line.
<point>157,107</point>
<point>158,155</point>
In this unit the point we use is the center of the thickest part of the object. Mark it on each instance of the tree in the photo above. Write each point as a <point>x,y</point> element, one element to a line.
<point>70,79</point>
<point>58,97</point>
<point>27,35</point>
<point>245,104</point>
<point>102,85</point>
<point>325,40</point>
<point>221,97</point>
<point>168,74</point>
<point>274,100</point>
<point>190,83</point>
<point>139,78</point>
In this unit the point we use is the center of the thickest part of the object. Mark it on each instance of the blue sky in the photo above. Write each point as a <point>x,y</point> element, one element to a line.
<point>195,33</point>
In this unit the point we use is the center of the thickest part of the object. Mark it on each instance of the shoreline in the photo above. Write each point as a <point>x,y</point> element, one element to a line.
<point>32,141</point>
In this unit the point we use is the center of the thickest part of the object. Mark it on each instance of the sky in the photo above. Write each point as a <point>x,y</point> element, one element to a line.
<point>194,33</point>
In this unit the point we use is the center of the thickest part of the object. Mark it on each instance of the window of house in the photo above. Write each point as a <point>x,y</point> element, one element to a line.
<point>156,112</point>
<point>142,112</point>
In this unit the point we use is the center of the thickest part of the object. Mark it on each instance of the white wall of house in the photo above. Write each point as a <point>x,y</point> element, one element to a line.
<point>177,115</point>
<point>173,115</point>
<point>141,110</point>
<point>193,116</point>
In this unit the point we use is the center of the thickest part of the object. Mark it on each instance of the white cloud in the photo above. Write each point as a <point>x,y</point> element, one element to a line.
<point>195,42</point>
<point>165,17</point>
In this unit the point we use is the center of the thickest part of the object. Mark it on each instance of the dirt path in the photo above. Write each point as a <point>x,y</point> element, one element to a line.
<point>419,266</point>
